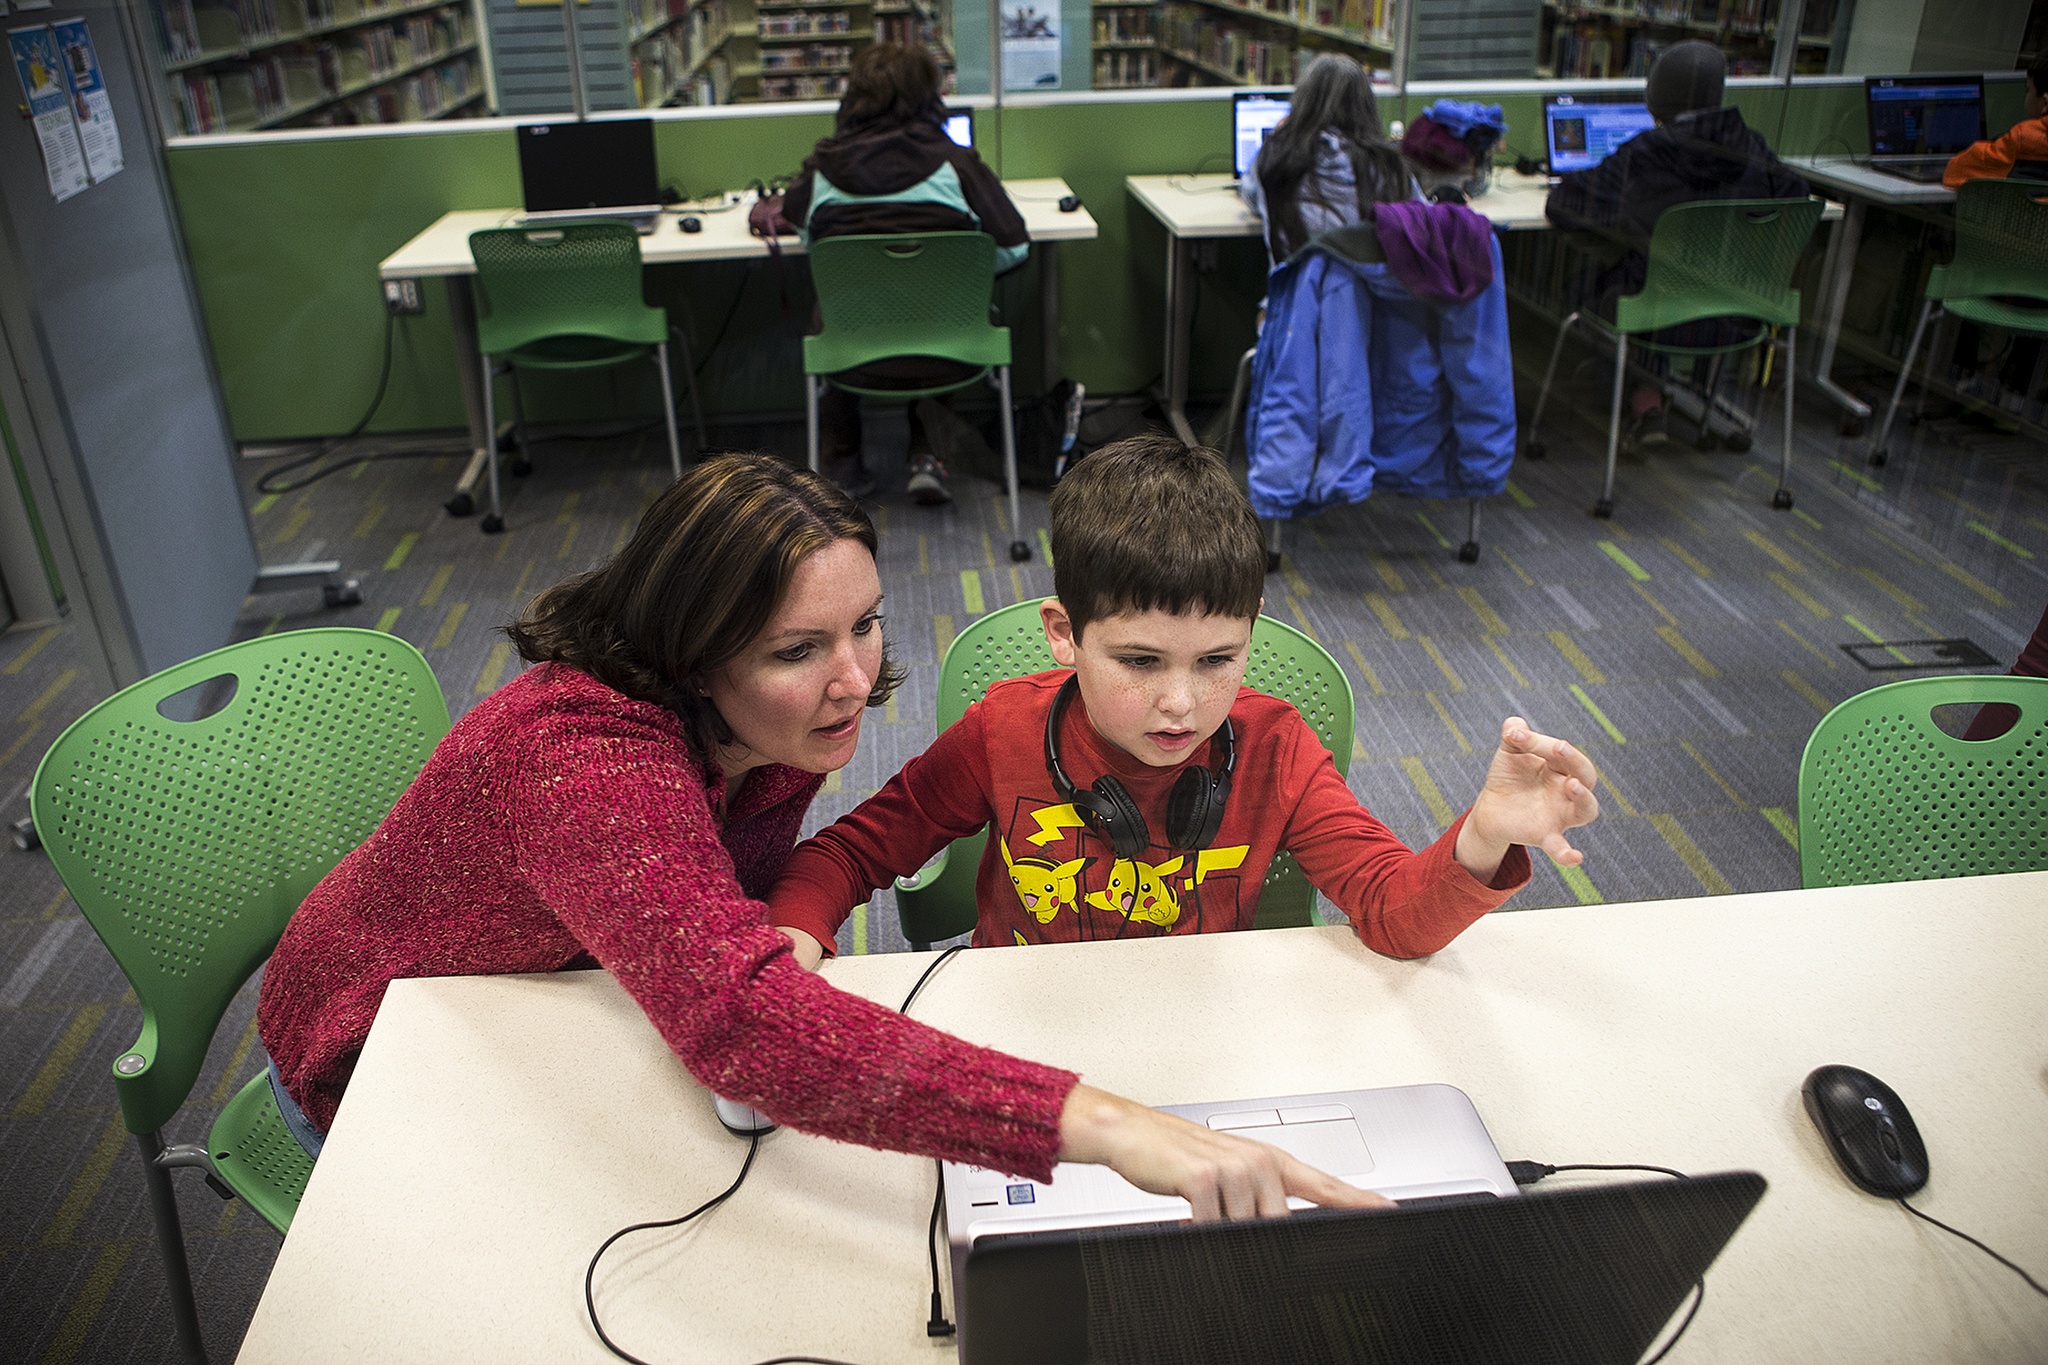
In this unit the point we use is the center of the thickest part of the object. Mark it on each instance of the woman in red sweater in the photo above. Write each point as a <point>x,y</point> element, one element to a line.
<point>624,803</point>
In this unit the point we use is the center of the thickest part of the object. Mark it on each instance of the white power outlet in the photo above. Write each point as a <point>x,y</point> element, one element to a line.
<point>402,298</point>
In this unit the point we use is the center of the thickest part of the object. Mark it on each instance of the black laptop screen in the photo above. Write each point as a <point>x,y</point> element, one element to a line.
<point>599,165</point>
<point>1924,115</point>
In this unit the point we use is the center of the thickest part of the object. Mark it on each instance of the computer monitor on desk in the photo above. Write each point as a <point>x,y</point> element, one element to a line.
<point>1581,131</point>
<point>1252,120</point>
<point>599,169</point>
<point>1918,122</point>
<point>960,126</point>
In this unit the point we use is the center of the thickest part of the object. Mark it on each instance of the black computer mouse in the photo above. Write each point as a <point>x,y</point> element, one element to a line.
<point>691,223</point>
<point>1069,203</point>
<point>1868,1129</point>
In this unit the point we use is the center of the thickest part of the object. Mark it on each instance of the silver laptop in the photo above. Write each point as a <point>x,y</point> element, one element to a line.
<point>1407,1142</point>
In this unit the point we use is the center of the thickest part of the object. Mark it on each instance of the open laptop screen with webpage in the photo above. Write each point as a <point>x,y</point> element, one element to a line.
<point>1581,131</point>
<point>1923,115</point>
<point>1252,120</point>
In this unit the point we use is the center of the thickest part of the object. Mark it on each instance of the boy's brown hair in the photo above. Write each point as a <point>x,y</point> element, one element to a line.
<point>1149,522</point>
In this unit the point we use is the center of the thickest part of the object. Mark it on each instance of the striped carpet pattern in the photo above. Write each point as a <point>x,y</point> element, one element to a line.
<point>1689,644</point>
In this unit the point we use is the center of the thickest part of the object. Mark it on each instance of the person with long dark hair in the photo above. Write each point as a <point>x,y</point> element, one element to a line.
<point>889,167</point>
<point>622,803</point>
<point>1326,160</point>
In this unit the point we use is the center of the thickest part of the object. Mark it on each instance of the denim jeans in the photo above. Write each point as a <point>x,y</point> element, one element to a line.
<point>295,1121</point>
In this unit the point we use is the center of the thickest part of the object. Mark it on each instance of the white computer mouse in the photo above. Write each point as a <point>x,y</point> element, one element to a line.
<point>739,1119</point>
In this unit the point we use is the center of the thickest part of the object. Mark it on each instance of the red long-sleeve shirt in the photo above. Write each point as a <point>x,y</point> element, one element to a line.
<point>1046,878</point>
<point>562,821</point>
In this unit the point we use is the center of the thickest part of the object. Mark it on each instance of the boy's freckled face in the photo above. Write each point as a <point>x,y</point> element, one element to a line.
<point>1157,685</point>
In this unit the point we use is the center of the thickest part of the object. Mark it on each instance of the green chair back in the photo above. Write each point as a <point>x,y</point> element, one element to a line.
<point>1886,796</point>
<point>187,845</point>
<point>904,294</point>
<point>2001,255</point>
<point>562,297</point>
<point>1722,258</point>
<point>1009,642</point>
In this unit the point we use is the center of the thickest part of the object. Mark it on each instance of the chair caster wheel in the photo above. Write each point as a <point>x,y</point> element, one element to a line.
<point>25,836</point>
<point>1536,450</point>
<point>1272,561</point>
<point>1019,551</point>
<point>1878,457</point>
<point>1604,508</point>
<point>461,505</point>
<point>522,467</point>
<point>1468,553</point>
<point>1782,499</point>
<point>1738,442</point>
<point>492,524</point>
<point>347,593</point>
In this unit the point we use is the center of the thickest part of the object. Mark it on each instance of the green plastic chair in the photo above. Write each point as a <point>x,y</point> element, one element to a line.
<point>1708,259</point>
<point>2001,258</point>
<point>1886,796</point>
<point>188,844</point>
<point>1009,642</point>
<point>910,294</point>
<point>564,298</point>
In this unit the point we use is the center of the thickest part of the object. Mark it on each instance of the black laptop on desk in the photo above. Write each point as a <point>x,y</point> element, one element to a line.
<point>1586,1276</point>
<point>1918,122</point>
<point>573,172</point>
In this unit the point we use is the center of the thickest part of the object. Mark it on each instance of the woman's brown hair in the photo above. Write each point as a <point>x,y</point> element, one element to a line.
<point>891,84</point>
<point>705,570</point>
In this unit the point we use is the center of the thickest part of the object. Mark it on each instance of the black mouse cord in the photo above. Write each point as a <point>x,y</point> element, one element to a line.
<point>1529,1172</point>
<point>2032,1283</point>
<point>937,1325</point>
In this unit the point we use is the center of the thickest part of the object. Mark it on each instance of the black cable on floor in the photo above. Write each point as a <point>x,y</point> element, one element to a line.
<point>268,483</point>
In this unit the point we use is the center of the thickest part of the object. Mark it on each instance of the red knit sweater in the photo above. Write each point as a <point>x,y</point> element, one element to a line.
<point>1045,877</point>
<point>562,821</point>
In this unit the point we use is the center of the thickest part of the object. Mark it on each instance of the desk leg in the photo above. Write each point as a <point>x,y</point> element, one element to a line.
<point>462,323</point>
<point>1049,315</point>
<point>1834,299</point>
<point>1178,342</point>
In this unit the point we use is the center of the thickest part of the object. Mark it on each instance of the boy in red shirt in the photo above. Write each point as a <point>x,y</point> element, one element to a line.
<point>1141,789</point>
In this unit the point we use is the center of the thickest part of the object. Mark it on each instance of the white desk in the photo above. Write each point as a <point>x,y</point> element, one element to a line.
<point>442,251</point>
<point>1198,207</point>
<point>497,1129</point>
<point>1855,187</point>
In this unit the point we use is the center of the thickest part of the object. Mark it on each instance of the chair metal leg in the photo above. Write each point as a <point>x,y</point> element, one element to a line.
<point>811,383</point>
<point>1605,507</point>
<point>1468,553</point>
<point>170,1236</point>
<point>1273,529</point>
<point>1020,549</point>
<point>1782,499</point>
<point>1534,449</point>
<point>668,412</point>
<point>1879,450</point>
<point>1705,438</point>
<point>494,521</point>
<point>519,433</point>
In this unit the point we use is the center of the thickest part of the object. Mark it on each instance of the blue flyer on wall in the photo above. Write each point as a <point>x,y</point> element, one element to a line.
<point>89,103</point>
<point>1031,44</point>
<point>49,103</point>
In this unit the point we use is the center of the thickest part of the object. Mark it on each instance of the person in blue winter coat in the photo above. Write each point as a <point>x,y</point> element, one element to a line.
<point>1383,363</point>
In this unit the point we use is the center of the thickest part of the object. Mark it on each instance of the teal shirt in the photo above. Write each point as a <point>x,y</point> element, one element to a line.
<point>941,187</point>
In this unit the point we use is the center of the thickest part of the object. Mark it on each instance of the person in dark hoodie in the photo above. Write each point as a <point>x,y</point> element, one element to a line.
<point>1698,150</point>
<point>889,167</point>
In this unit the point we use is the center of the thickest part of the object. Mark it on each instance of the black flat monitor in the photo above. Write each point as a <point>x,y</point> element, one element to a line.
<point>1924,115</point>
<point>1581,131</point>
<point>1586,1276</point>
<point>576,167</point>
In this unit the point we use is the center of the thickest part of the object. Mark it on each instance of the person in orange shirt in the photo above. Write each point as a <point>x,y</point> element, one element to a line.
<point>2026,141</point>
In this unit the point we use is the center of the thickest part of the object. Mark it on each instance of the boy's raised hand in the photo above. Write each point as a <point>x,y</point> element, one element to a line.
<point>1536,789</point>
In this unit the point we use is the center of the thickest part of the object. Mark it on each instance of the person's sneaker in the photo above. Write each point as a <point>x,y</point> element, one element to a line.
<point>1646,430</point>
<point>852,477</point>
<point>928,481</point>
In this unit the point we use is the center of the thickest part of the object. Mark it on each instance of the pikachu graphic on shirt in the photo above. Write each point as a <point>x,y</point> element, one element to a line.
<point>1046,888</point>
<point>1138,890</point>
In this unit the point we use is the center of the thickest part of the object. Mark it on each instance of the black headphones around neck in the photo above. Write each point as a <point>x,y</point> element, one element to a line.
<point>1194,808</point>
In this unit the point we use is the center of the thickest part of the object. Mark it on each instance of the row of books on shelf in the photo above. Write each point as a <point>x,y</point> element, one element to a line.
<point>910,27</point>
<point>1366,20</point>
<point>663,66</point>
<point>1736,14</point>
<point>1115,70</point>
<point>803,22</point>
<point>1224,48</point>
<point>278,88</point>
<point>829,87</point>
<point>645,16</point>
<point>810,57</point>
<point>191,29</point>
<point>1123,26</point>
<point>1605,50</point>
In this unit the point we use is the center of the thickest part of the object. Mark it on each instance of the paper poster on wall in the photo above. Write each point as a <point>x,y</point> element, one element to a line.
<point>1031,45</point>
<point>90,107</point>
<point>49,104</point>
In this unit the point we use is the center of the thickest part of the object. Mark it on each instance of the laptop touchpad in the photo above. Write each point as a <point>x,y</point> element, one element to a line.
<point>1332,1145</point>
